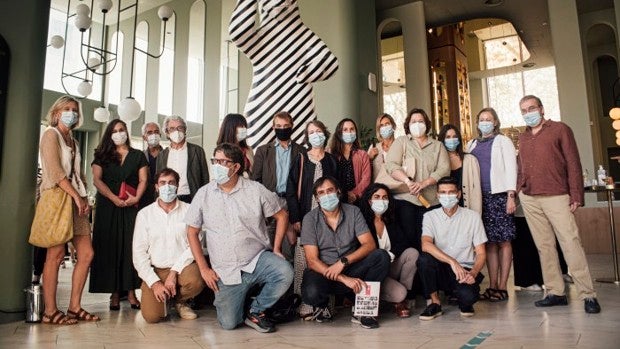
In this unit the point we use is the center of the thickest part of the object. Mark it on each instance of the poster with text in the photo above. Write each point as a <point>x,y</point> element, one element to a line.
<point>367,300</point>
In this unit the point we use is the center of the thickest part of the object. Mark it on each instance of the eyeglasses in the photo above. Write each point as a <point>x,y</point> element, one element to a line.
<point>530,109</point>
<point>223,162</point>
<point>178,128</point>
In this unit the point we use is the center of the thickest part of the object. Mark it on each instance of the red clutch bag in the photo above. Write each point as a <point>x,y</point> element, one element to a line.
<point>125,191</point>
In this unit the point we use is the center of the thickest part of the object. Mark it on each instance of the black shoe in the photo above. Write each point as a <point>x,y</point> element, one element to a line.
<point>259,322</point>
<point>551,300</point>
<point>467,311</point>
<point>591,305</point>
<point>432,311</point>
<point>321,315</point>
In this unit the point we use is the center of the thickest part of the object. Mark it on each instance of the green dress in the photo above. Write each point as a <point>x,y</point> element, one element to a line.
<point>112,266</point>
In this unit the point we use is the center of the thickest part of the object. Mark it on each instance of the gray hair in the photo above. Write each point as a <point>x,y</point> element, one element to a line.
<point>146,125</point>
<point>171,118</point>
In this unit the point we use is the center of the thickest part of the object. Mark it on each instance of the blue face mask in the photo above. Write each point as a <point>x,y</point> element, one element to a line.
<point>317,140</point>
<point>167,193</point>
<point>329,202</point>
<point>69,118</point>
<point>220,173</point>
<point>379,206</point>
<point>349,137</point>
<point>448,201</point>
<point>386,131</point>
<point>486,127</point>
<point>532,118</point>
<point>451,143</point>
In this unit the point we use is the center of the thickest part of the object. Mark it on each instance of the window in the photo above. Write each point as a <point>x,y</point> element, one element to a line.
<point>114,78</point>
<point>195,62</point>
<point>140,61</point>
<point>166,70</point>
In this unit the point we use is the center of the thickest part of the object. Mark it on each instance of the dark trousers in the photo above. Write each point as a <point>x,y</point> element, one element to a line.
<point>409,217</point>
<point>39,254</point>
<point>437,275</point>
<point>315,288</point>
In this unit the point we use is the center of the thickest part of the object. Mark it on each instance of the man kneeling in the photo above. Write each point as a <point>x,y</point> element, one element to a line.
<point>340,251</point>
<point>453,252</point>
<point>161,253</point>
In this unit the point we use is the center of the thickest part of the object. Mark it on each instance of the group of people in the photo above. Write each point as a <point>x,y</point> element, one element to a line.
<point>319,219</point>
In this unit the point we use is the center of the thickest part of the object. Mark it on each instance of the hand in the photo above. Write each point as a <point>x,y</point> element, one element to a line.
<point>131,200</point>
<point>210,277</point>
<point>373,152</point>
<point>511,206</point>
<point>278,252</point>
<point>351,197</point>
<point>415,188</point>
<point>574,206</point>
<point>118,202</point>
<point>82,206</point>
<point>297,227</point>
<point>459,271</point>
<point>160,291</point>
<point>470,279</point>
<point>334,270</point>
<point>353,283</point>
<point>171,283</point>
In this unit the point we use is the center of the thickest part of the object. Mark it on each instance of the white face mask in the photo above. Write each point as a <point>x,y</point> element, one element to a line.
<point>119,137</point>
<point>242,134</point>
<point>220,173</point>
<point>167,193</point>
<point>153,140</point>
<point>417,129</point>
<point>448,201</point>
<point>177,136</point>
<point>379,206</point>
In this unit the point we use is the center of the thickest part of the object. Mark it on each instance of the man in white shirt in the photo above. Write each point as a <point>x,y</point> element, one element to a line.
<point>453,252</point>
<point>161,253</point>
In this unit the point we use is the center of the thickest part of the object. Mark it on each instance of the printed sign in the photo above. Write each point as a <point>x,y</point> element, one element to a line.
<point>367,300</point>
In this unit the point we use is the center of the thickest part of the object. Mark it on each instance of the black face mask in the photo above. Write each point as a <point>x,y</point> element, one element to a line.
<point>284,134</point>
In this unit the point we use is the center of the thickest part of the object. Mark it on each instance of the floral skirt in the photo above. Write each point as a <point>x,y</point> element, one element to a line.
<point>498,225</point>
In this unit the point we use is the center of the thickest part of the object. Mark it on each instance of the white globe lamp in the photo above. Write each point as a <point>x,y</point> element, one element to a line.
<point>82,22</point>
<point>165,12</point>
<point>129,109</point>
<point>85,88</point>
<point>102,114</point>
<point>82,9</point>
<point>104,5</point>
<point>57,41</point>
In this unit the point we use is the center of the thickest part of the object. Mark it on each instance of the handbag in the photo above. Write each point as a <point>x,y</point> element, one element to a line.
<point>395,186</point>
<point>53,219</point>
<point>125,191</point>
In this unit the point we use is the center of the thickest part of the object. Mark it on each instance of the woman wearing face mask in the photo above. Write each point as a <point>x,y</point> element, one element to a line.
<point>463,167</point>
<point>418,161</point>
<point>305,170</point>
<point>234,130</point>
<point>377,206</point>
<point>498,176</point>
<point>354,169</point>
<point>385,134</point>
<point>60,164</point>
<point>116,162</point>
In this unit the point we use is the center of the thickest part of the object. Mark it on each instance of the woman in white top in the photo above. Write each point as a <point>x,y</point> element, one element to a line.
<point>498,176</point>
<point>385,134</point>
<point>60,164</point>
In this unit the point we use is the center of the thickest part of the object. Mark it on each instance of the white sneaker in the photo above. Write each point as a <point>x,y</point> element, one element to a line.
<point>185,312</point>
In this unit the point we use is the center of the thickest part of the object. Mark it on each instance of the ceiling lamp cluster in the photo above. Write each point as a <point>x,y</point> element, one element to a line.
<point>101,60</point>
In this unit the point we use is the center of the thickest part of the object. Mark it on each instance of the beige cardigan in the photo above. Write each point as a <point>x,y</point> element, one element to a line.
<point>471,191</point>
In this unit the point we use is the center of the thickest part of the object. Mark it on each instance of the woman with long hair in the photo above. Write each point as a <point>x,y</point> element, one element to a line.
<point>60,164</point>
<point>234,130</point>
<point>354,170</point>
<point>120,175</point>
<point>498,177</point>
<point>377,206</point>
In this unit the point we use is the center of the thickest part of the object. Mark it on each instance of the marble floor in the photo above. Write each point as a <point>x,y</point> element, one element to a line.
<point>512,324</point>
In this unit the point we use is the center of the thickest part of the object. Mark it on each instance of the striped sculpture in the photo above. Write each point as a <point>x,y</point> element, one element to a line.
<point>286,56</point>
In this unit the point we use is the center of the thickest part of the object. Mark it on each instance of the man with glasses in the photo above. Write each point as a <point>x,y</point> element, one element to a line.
<point>272,163</point>
<point>187,159</point>
<point>151,135</point>
<point>550,186</point>
<point>232,210</point>
<point>340,251</point>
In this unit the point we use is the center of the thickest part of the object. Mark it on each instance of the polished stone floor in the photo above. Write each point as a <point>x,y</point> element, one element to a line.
<point>512,324</point>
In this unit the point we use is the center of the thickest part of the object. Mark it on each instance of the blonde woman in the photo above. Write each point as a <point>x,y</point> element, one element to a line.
<point>60,164</point>
<point>385,128</point>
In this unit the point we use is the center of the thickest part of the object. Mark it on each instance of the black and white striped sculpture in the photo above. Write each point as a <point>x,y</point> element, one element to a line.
<point>286,56</point>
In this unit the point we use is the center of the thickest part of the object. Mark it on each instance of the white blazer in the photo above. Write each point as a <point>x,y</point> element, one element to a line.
<point>503,163</point>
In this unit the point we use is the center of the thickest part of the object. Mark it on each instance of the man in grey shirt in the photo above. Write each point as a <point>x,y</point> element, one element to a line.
<point>453,252</point>
<point>232,210</point>
<point>340,251</point>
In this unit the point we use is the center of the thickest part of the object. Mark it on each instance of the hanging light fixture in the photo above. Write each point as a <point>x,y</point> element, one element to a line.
<point>101,114</point>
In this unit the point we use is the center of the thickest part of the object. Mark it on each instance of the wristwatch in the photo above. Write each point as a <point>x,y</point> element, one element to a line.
<point>344,261</point>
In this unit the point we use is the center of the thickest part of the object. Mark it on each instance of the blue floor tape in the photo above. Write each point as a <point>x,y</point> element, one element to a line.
<point>474,342</point>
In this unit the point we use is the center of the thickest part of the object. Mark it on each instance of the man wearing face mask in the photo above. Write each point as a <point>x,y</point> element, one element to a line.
<point>232,210</point>
<point>340,251</point>
<point>453,252</point>
<point>151,135</point>
<point>161,253</point>
<point>550,186</point>
<point>272,163</point>
<point>186,158</point>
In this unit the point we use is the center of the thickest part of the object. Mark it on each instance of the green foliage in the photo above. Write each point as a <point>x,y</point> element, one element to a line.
<point>367,137</point>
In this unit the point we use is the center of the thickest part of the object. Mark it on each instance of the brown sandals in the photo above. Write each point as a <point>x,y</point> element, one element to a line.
<point>82,315</point>
<point>58,318</point>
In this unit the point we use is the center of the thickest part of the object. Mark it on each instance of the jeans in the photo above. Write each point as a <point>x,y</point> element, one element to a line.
<point>437,275</point>
<point>315,288</point>
<point>273,272</point>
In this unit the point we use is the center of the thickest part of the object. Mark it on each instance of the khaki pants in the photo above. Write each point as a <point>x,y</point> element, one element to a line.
<point>189,285</point>
<point>549,217</point>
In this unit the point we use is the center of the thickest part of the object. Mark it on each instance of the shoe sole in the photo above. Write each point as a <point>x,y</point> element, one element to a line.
<point>355,320</point>
<point>250,323</point>
<point>467,314</point>
<point>549,305</point>
<point>431,317</point>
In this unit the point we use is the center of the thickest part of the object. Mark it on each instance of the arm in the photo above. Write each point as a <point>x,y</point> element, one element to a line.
<point>143,176</point>
<point>441,170</point>
<point>429,247</point>
<point>140,255</point>
<point>315,264</point>
<point>103,188</point>
<point>293,203</point>
<point>481,257</point>
<point>394,162</point>
<point>363,180</point>
<point>208,275</point>
<point>281,218</point>
<point>509,155</point>
<point>573,167</point>
<point>257,167</point>
<point>204,168</point>
<point>242,27</point>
